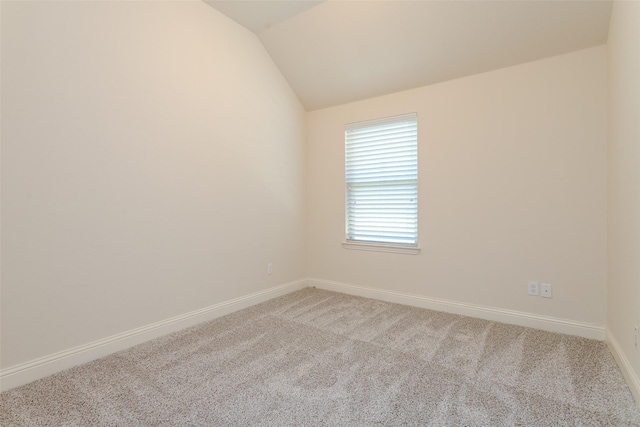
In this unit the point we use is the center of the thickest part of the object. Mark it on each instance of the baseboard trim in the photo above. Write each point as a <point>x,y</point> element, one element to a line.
<point>546,323</point>
<point>42,367</point>
<point>625,366</point>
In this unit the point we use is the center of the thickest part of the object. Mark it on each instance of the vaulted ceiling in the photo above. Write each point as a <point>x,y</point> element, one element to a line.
<point>338,51</point>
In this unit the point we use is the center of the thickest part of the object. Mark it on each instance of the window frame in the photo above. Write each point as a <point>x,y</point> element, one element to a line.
<point>379,245</point>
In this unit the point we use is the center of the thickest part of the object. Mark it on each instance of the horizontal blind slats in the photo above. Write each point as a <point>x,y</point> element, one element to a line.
<point>381,169</point>
<point>373,141</point>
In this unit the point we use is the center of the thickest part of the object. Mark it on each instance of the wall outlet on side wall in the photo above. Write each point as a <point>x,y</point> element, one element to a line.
<point>532,287</point>
<point>269,268</point>
<point>635,332</point>
<point>545,290</point>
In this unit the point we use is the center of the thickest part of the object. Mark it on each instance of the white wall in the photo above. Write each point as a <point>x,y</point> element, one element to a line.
<point>512,184</point>
<point>152,164</point>
<point>624,185</point>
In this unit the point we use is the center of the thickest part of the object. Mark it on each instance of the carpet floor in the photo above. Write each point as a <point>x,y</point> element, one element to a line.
<point>315,357</point>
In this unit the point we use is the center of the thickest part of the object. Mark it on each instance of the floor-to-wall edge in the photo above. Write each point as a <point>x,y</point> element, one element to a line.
<point>42,367</point>
<point>627,371</point>
<point>551,324</point>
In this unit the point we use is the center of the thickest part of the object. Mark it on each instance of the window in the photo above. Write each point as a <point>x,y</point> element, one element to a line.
<point>381,159</point>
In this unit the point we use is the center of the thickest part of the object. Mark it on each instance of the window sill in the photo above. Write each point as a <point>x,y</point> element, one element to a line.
<point>381,248</point>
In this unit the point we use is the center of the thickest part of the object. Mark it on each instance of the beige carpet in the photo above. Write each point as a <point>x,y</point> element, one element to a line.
<point>321,358</point>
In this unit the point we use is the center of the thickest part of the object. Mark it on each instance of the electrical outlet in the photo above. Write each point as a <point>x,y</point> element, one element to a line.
<point>635,329</point>
<point>532,288</point>
<point>545,290</point>
<point>269,268</point>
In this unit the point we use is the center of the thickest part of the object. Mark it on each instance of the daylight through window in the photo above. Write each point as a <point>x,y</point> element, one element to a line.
<point>381,158</point>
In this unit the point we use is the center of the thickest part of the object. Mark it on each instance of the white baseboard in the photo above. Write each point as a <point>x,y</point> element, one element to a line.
<point>48,365</point>
<point>546,323</point>
<point>42,367</point>
<point>625,367</point>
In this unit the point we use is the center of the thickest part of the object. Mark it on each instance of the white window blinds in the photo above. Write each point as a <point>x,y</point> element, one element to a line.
<point>381,158</point>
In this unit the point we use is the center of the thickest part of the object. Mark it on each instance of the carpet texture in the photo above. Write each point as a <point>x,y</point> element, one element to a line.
<point>315,357</point>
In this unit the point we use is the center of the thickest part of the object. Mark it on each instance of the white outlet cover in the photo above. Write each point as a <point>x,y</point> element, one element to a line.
<point>545,290</point>
<point>532,287</point>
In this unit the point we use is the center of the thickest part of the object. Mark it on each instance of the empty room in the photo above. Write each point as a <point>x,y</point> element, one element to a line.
<point>323,212</point>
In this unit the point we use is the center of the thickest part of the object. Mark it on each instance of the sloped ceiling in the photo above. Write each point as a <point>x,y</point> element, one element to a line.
<point>339,51</point>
